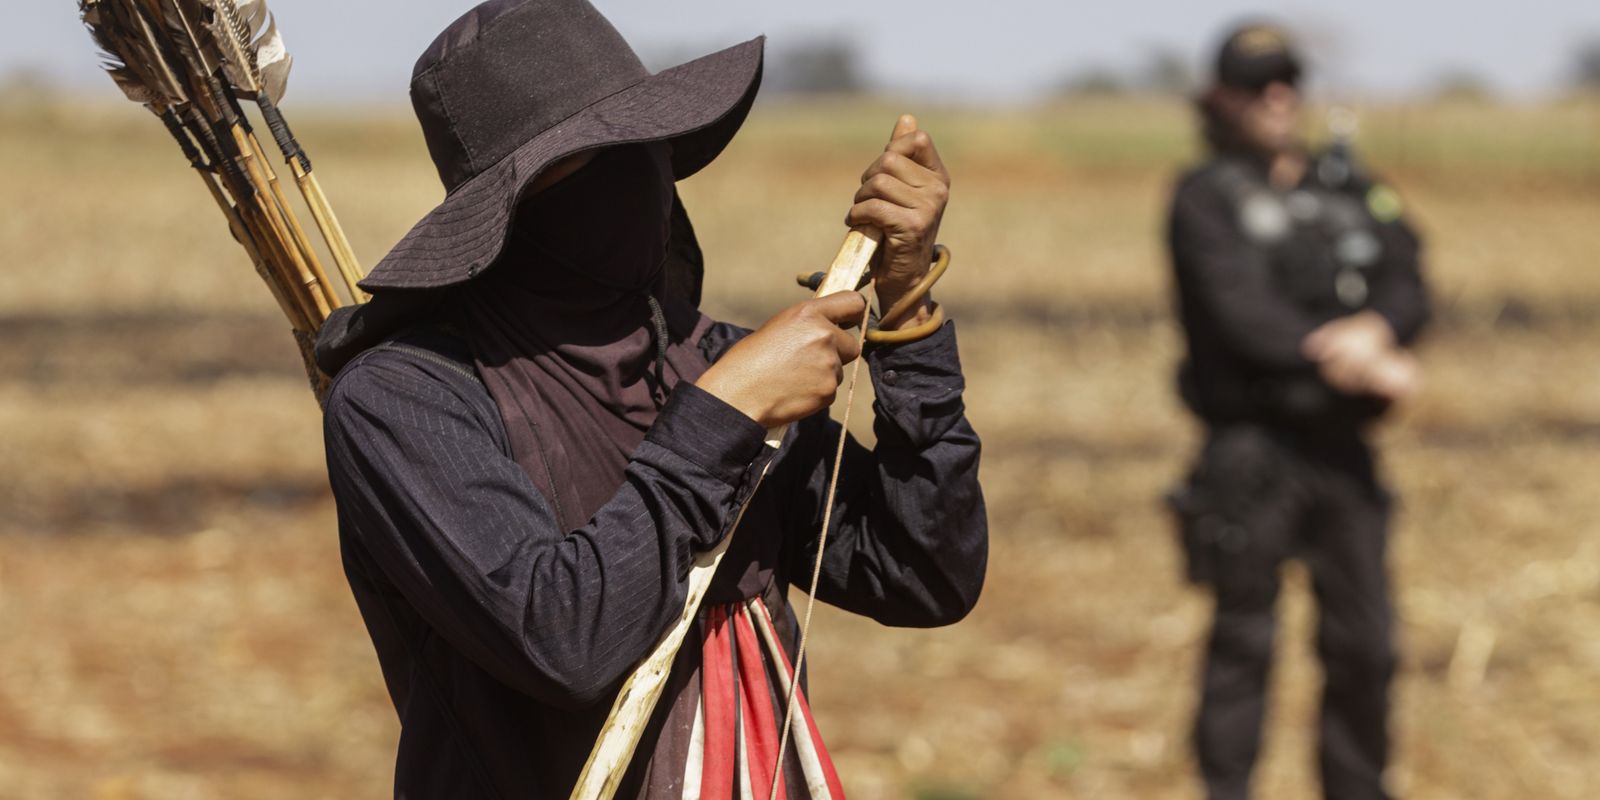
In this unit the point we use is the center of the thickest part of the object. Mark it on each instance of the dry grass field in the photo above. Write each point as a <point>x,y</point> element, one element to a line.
<point>174,622</point>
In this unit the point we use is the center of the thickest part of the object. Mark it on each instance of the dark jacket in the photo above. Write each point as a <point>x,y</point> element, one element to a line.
<point>503,639</point>
<point>1257,270</point>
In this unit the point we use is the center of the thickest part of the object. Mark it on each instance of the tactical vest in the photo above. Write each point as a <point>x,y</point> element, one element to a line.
<point>1321,238</point>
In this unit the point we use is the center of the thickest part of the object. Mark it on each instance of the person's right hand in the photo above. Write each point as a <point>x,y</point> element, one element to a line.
<point>791,367</point>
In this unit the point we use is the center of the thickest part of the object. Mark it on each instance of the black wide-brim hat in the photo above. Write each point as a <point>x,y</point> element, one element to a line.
<point>514,86</point>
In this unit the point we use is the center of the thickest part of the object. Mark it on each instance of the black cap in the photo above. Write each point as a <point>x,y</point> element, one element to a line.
<point>1256,55</point>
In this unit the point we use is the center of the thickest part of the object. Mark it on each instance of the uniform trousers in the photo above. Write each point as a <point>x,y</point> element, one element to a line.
<point>1259,496</point>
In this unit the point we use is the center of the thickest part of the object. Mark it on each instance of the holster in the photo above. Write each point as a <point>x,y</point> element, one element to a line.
<point>1236,504</point>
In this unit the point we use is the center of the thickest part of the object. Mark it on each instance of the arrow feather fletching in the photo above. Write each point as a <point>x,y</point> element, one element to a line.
<point>274,61</point>
<point>238,63</point>
<point>112,58</point>
<point>130,55</point>
<point>250,48</point>
<point>183,29</point>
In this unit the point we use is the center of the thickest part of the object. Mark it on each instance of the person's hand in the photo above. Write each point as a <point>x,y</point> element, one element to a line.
<point>1347,349</point>
<point>1357,354</point>
<point>1395,377</point>
<point>791,367</point>
<point>903,194</point>
<point>1355,338</point>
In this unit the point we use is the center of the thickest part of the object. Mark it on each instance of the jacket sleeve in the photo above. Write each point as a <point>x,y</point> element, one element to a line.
<point>465,537</point>
<point>1398,291</point>
<point>910,538</point>
<point>1228,279</point>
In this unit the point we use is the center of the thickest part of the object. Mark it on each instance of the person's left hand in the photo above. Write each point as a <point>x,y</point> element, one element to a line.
<point>1357,337</point>
<point>903,194</point>
<point>1358,354</point>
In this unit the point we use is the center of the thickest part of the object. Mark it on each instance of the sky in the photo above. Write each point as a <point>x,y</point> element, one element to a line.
<point>987,51</point>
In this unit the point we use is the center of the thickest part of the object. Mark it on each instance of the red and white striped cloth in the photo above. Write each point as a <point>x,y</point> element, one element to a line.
<point>734,744</point>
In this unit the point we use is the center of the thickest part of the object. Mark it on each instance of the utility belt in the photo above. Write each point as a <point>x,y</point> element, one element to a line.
<point>1296,402</point>
<point>1240,509</point>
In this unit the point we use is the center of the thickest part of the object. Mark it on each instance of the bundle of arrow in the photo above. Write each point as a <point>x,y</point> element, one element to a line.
<point>192,62</point>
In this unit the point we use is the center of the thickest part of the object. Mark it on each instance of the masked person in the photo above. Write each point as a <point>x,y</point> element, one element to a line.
<point>533,430</point>
<point>1299,291</point>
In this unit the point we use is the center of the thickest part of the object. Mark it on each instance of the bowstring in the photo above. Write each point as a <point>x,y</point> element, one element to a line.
<point>816,567</point>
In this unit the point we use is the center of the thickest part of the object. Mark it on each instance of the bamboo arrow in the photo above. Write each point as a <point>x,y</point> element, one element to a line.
<point>257,64</point>
<point>173,57</point>
<point>200,49</point>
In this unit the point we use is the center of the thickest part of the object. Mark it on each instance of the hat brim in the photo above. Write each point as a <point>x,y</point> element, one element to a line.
<point>698,106</point>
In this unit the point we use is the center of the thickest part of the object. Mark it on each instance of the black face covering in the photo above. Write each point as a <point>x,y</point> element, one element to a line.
<point>567,326</point>
<point>607,223</point>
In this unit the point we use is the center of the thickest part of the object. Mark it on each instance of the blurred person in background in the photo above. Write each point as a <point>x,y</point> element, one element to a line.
<point>534,430</point>
<point>1299,290</point>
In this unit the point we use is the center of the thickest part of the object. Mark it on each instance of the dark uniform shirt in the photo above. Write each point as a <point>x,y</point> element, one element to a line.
<point>503,638</point>
<point>1258,269</point>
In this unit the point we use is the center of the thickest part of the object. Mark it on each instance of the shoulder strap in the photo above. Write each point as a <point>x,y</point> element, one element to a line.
<point>432,358</point>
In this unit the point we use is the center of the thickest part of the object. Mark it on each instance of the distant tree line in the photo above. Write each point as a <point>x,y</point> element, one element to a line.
<point>1161,71</point>
<point>818,65</point>
<point>1586,65</point>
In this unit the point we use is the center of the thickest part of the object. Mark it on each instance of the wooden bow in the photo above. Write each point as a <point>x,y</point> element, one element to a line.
<point>631,711</point>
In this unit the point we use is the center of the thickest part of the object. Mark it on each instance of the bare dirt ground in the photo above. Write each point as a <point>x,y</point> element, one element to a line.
<point>174,622</point>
